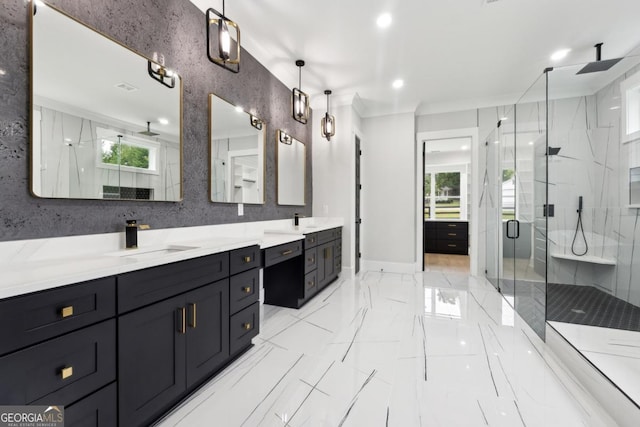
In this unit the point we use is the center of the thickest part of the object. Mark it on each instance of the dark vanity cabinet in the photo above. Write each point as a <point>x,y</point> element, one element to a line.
<point>58,347</point>
<point>167,348</point>
<point>446,237</point>
<point>123,350</point>
<point>295,272</point>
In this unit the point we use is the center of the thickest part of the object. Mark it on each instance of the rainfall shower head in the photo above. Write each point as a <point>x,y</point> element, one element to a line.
<point>552,151</point>
<point>598,65</point>
<point>148,131</point>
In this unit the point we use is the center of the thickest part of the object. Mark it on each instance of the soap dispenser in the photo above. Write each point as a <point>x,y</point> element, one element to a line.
<point>131,234</point>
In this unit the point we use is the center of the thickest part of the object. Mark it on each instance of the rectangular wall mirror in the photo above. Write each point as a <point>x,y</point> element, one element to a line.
<point>291,169</point>
<point>104,124</point>
<point>237,154</point>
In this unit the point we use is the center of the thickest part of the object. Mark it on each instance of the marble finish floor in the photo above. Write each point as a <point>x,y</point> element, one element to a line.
<point>384,349</point>
<point>615,352</point>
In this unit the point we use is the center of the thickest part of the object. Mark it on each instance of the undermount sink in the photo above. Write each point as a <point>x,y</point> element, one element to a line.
<point>151,252</point>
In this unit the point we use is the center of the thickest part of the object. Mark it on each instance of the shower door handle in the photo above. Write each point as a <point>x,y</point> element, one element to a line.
<point>517,229</point>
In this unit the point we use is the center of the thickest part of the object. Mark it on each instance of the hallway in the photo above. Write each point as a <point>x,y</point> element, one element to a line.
<point>382,349</point>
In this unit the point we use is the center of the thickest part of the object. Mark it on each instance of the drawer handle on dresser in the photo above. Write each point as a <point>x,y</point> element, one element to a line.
<point>452,246</point>
<point>287,252</point>
<point>452,234</point>
<point>311,259</point>
<point>183,320</point>
<point>452,225</point>
<point>313,240</point>
<point>246,289</point>
<point>66,372</point>
<point>247,259</point>
<point>67,311</point>
<point>246,326</point>
<point>193,315</point>
<point>312,283</point>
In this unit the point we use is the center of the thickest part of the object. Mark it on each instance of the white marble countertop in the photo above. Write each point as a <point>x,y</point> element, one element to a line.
<point>40,264</point>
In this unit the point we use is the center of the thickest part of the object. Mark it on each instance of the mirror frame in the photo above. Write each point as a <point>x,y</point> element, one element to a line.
<point>264,152</point>
<point>279,133</point>
<point>32,11</point>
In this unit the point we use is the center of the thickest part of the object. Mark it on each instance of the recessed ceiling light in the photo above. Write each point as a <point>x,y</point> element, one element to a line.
<point>503,118</point>
<point>398,83</point>
<point>497,141</point>
<point>2,72</point>
<point>68,139</point>
<point>530,142</point>
<point>560,54</point>
<point>239,109</point>
<point>615,107</point>
<point>163,121</point>
<point>464,147</point>
<point>384,20</point>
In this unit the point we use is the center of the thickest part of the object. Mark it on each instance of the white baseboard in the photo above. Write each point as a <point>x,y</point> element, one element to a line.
<point>388,267</point>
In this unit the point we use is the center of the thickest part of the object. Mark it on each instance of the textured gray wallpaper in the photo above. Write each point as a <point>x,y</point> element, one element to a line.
<point>175,28</point>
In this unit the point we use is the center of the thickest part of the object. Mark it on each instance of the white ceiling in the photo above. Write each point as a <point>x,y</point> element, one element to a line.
<point>452,54</point>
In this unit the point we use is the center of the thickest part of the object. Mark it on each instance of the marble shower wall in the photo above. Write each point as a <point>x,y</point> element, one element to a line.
<point>594,164</point>
<point>182,40</point>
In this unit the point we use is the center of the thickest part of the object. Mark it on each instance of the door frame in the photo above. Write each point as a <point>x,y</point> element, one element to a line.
<point>476,188</point>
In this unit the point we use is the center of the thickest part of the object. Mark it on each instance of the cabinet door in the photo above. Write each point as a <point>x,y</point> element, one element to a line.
<point>207,330</point>
<point>151,368</point>
<point>326,264</point>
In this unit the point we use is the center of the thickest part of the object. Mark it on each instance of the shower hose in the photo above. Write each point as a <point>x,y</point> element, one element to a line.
<point>575,236</point>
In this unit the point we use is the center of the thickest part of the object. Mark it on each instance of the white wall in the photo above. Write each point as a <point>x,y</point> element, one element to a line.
<point>334,176</point>
<point>388,193</point>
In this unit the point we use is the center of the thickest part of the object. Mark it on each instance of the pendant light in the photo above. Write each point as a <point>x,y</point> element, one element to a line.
<point>284,138</point>
<point>328,122</point>
<point>299,99</point>
<point>222,42</point>
<point>158,71</point>
<point>255,122</point>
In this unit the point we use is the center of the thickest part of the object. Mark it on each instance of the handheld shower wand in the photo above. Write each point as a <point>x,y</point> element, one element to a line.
<point>581,228</point>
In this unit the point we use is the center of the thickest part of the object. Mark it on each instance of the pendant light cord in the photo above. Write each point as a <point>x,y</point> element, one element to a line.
<point>575,236</point>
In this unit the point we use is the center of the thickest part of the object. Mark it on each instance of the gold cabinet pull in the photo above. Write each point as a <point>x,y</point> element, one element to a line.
<point>452,225</point>
<point>287,252</point>
<point>452,246</point>
<point>183,320</point>
<point>193,315</point>
<point>247,259</point>
<point>452,234</point>
<point>246,289</point>
<point>66,372</point>
<point>311,283</point>
<point>67,311</point>
<point>246,326</point>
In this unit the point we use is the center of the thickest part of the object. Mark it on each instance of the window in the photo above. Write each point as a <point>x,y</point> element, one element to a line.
<point>508,194</point>
<point>630,91</point>
<point>445,195</point>
<point>126,152</point>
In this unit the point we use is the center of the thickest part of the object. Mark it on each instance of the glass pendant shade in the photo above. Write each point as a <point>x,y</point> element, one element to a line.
<point>328,122</point>
<point>299,99</point>
<point>220,42</point>
<point>157,71</point>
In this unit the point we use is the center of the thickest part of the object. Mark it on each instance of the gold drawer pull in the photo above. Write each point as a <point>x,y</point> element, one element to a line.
<point>183,320</point>
<point>246,326</point>
<point>193,315</point>
<point>311,284</point>
<point>247,259</point>
<point>452,225</point>
<point>311,259</point>
<point>452,234</point>
<point>287,252</point>
<point>66,372</point>
<point>67,311</point>
<point>453,246</point>
<point>246,290</point>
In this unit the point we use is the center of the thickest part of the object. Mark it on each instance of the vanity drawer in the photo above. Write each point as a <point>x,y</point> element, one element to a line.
<point>244,290</point>
<point>327,236</point>
<point>281,253</point>
<point>459,226</point>
<point>62,370</point>
<point>33,318</point>
<point>310,240</point>
<point>140,288</point>
<point>96,410</point>
<point>310,284</point>
<point>459,247</point>
<point>244,259</point>
<point>453,234</point>
<point>243,326</point>
<point>310,260</point>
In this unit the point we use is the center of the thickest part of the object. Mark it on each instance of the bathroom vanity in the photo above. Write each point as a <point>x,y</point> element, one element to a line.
<point>296,271</point>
